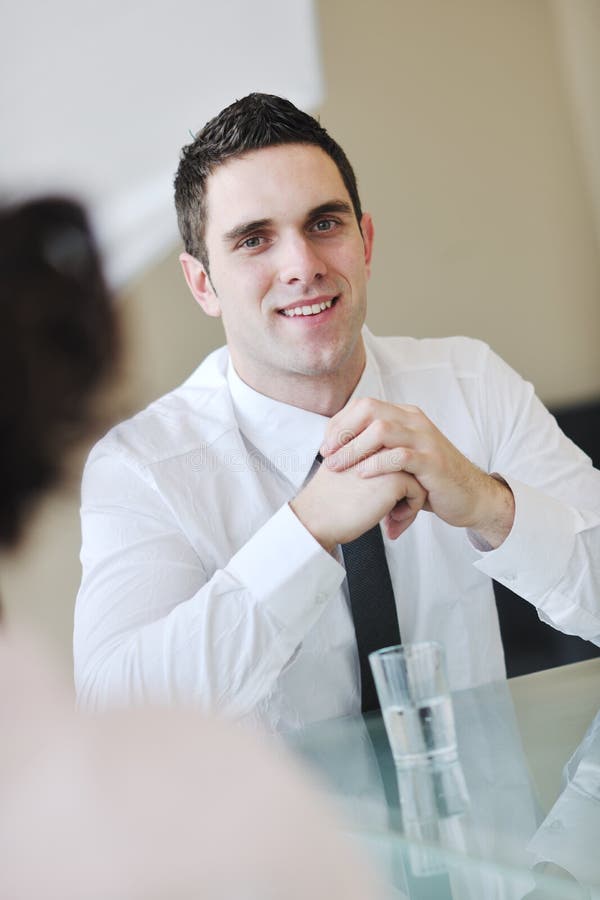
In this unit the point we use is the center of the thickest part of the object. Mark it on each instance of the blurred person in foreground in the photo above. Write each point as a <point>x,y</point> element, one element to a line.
<point>213,541</point>
<point>141,804</point>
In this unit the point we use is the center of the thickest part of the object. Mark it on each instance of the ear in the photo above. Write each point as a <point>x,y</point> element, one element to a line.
<point>368,235</point>
<point>200,285</point>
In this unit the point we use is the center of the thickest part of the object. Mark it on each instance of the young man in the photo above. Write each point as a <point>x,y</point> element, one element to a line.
<point>211,537</point>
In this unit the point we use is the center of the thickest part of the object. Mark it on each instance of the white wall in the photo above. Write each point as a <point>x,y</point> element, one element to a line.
<point>97,97</point>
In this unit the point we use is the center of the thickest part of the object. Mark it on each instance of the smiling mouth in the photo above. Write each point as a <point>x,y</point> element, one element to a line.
<point>312,309</point>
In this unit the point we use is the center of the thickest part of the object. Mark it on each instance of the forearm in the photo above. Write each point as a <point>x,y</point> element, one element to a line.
<point>151,624</point>
<point>498,515</point>
<point>199,652</point>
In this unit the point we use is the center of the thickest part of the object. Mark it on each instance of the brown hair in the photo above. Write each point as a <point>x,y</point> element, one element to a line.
<point>254,122</point>
<point>58,339</point>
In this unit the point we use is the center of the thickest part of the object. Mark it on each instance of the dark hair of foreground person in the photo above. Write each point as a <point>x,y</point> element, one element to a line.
<point>58,341</point>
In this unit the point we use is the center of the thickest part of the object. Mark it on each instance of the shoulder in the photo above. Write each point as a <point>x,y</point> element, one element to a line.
<point>197,411</point>
<point>463,356</point>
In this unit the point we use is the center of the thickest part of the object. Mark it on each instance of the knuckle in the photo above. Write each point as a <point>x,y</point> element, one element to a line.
<point>345,436</point>
<point>398,457</point>
<point>412,410</point>
<point>365,405</point>
<point>380,430</point>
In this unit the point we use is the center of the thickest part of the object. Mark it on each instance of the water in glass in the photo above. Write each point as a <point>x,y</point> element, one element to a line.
<point>422,732</point>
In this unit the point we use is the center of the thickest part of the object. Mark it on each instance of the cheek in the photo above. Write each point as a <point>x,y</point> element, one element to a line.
<point>250,280</point>
<point>239,287</point>
<point>356,271</point>
<point>259,279</point>
<point>350,260</point>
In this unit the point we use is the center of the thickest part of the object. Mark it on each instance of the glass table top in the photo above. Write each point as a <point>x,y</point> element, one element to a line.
<point>517,816</point>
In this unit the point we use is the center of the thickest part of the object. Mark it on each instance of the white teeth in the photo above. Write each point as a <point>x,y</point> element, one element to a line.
<point>308,310</point>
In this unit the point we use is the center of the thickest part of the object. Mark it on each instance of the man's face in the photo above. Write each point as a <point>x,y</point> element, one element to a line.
<point>288,268</point>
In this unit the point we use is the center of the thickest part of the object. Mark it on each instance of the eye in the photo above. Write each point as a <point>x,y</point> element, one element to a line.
<point>323,225</point>
<point>250,243</point>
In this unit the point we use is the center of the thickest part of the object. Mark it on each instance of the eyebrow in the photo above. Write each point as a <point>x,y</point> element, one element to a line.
<point>246,228</point>
<point>331,206</point>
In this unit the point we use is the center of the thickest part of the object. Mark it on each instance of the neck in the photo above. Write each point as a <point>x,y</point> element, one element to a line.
<point>324,394</point>
<point>319,395</point>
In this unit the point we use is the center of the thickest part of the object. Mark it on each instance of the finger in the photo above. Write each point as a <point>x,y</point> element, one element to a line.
<point>394,528</point>
<point>382,434</point>
<point>357,415</point>
<point>385,462</point>
<point>353,419</point>
<point>360,447</point>
<point>413,496</point>
<point>404,513</point>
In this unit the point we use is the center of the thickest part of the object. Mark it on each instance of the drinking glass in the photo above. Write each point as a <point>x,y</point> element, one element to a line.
<point>415,702</point>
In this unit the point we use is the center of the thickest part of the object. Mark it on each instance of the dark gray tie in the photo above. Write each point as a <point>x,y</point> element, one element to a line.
<point>372,603</point>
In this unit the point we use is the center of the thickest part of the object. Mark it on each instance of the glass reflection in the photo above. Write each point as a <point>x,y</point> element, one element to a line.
<point>437,822</point>
<point>432,801</point>
<point>470,829</point>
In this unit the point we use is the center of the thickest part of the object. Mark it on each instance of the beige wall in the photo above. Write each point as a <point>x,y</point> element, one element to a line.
<point>460,126</point>
<point>458,122</point>
<point>577,25</point>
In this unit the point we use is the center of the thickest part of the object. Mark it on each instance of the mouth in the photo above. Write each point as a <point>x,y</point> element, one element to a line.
<point>316,308</point>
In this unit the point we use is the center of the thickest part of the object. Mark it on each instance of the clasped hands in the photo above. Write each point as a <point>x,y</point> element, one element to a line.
<point>387,462</point>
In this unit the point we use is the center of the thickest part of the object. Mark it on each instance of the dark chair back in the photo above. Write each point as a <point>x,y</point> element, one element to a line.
<point>530,644</point>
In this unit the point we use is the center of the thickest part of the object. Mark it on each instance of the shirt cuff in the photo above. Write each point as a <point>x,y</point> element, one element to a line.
<point>535,554</point>
<point>285,568</point>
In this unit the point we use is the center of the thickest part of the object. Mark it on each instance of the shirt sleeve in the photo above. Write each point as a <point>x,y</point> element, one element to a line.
<point>552,555</point>
<point>151,625</point>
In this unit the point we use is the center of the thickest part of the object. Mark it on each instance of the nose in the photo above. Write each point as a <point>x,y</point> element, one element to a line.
<point>300,263</point>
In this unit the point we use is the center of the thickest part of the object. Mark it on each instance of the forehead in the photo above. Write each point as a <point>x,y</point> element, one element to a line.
<point>280,183</point>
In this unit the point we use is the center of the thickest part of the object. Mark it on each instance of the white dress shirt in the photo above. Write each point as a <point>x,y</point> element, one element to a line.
<point>200,585</point>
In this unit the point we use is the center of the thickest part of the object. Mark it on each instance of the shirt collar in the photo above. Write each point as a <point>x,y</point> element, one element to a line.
<point>288,436</point>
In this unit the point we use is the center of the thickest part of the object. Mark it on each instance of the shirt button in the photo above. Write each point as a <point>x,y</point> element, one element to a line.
<point>321,598</point>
